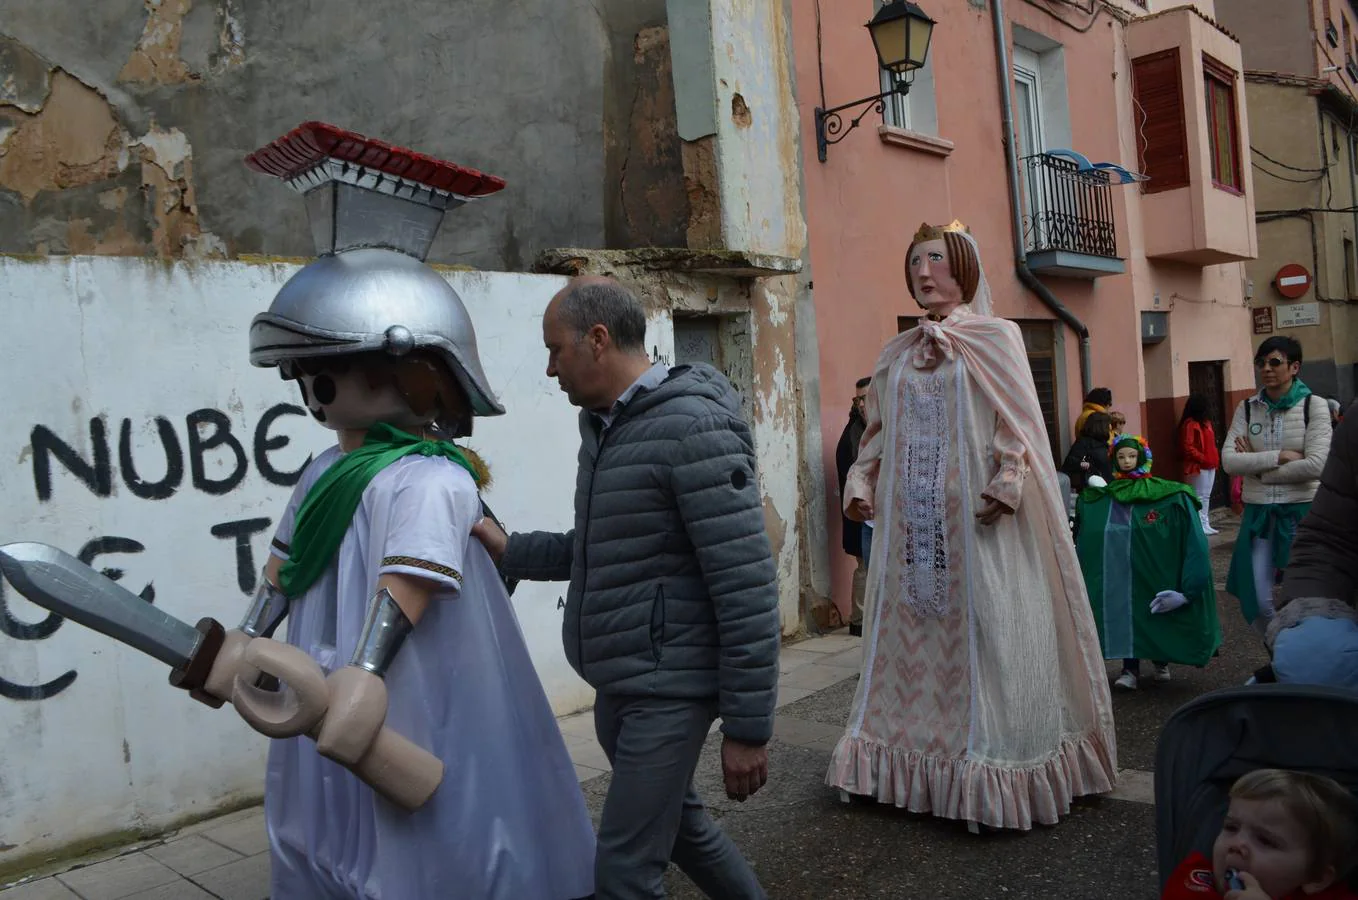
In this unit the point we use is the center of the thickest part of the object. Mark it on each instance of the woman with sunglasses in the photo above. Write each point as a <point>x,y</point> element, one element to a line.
<point>1278,442</point>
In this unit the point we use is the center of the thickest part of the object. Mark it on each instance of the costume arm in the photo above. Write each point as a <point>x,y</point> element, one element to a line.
<point>1324,560</point>
<point>539,556</point>
<point>861,483</point>
<point>1195,572</point>
<point>1237,463</point>
<point>1316,447</point>
<point>1007,485</point>
<point>717,494</point>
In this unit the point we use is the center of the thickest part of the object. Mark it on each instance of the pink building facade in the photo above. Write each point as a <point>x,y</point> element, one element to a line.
<point>1152,271</point>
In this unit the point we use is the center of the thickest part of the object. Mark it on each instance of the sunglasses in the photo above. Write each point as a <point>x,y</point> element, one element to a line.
<point>1273,362</point>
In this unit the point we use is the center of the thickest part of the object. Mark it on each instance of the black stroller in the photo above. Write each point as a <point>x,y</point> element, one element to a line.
<point>1213,740</point>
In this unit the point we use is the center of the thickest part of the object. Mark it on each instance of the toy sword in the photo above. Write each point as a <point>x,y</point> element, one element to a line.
<point>404,773</point>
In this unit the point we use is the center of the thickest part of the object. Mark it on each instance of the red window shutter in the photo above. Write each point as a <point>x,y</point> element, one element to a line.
<point>1162,140</point>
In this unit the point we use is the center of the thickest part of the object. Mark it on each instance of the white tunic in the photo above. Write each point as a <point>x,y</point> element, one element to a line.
<point>509,820</point>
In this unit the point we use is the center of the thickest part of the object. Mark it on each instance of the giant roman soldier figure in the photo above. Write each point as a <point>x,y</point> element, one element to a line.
<point>415,753</point>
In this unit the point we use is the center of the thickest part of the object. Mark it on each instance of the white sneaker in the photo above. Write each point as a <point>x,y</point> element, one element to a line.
<point>1161,673</point>
<point>1209,530</point>
<point>1126,681</point>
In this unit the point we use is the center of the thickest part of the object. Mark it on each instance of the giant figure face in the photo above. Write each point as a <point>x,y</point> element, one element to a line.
<point>942,272</point>
<point>347,393</point>
<point>1126,458</point>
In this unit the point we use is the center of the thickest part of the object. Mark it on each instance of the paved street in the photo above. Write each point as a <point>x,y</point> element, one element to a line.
<point>801,839</point>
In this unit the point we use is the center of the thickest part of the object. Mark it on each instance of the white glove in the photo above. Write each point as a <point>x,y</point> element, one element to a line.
<point>1095,481</point>
<point>1167,601</point>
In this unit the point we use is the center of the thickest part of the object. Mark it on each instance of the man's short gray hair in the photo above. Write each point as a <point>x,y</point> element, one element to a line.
<point>610,305</point>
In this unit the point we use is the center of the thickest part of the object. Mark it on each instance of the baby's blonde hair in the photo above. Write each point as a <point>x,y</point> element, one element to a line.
<point>1326,811</point>
<point>1118,419</point>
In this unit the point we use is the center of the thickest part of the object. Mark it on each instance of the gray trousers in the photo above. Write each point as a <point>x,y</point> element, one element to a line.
<point>652,814</point>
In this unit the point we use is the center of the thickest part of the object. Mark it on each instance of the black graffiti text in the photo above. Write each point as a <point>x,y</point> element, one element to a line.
<point>208,437</point>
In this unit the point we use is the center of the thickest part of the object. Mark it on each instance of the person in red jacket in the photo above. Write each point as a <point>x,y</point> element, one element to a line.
<point>1198,445</point>
<point>1287,836</point>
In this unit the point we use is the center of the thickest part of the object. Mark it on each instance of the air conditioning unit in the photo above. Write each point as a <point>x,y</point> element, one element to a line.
<point>1154,326</point>
<point>1331,33</point>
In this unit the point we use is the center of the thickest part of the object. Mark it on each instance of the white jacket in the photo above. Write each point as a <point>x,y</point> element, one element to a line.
<point>1270,431</point>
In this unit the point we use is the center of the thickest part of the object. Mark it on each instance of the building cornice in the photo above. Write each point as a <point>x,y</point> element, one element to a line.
<point>1195,11</point>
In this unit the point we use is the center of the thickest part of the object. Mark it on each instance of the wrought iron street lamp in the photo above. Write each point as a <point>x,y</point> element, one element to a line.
<point>900,32</point>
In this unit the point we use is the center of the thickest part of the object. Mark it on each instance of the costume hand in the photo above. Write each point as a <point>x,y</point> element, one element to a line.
<point>358,707</point>
<point>1243,445</point>
<point>492,536</point>
<point>1251,891</point>
<point>229,663</point>
<point>860,510</point>
<point>745,767</point>
<point>1167,601</point>
<point>1287,456</point>
<point>991,512</point>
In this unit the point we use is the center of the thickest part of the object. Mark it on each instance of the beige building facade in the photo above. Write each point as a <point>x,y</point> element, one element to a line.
<point>1301,80</point>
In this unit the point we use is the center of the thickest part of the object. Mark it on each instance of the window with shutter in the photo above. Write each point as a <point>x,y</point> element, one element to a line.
<point>1162,139</point>
<point>1222,131</point>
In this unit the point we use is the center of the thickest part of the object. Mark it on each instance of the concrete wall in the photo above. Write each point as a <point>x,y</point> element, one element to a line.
<point>1277,37</point>
<point>142,440</point>
<point>123,122</point>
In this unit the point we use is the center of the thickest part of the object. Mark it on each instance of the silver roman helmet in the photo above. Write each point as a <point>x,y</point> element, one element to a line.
<point>374,211</point>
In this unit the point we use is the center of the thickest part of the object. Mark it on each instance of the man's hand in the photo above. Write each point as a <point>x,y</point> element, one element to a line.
<point>1243,445</point>
<point>492,536</point>
<point>1251,891</point>
<point>1287,456</point>
<point>860,510</point>
<point>745,767</point>
<point>991,512</point>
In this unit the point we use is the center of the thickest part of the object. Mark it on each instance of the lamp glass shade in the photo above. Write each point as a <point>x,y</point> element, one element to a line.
<point>900,32</point>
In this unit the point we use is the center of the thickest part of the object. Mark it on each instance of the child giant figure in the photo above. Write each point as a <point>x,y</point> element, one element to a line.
<point>374,567</point>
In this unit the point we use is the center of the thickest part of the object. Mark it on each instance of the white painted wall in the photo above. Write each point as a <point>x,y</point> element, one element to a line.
<point>130,340</point>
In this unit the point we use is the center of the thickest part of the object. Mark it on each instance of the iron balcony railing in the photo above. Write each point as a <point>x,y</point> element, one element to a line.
<point>1067,208</point>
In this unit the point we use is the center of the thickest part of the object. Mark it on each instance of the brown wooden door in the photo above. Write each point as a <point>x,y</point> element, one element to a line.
<point>1208,379</point>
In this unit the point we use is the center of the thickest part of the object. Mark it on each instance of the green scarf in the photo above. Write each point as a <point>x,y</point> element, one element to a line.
<point>328,509</point>
<point>1295,394</point>
<point>1130,491</point>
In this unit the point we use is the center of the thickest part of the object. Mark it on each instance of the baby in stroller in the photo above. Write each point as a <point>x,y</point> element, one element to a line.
<point>1286,835</point>
<point>1259,783</point>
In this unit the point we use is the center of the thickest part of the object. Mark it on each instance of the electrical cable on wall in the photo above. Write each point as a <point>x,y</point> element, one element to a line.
<point>1081,29</point>
<point>1254,149</point>
<point>1312,179</point>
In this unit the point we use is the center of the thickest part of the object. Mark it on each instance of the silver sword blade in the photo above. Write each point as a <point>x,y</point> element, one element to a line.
<point>58,581</point>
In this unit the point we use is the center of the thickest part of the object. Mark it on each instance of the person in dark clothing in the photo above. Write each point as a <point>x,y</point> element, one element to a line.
<point>857,537</point>
<point>1313,638</point>
<point>1089,455</point>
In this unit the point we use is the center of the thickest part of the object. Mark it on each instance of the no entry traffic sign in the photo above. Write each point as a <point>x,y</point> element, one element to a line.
<point>1292,281</point>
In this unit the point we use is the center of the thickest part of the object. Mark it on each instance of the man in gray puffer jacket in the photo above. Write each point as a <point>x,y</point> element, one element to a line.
<point>672,610</point>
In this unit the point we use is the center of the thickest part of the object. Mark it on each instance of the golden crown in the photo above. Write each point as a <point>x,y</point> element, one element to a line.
<point>929,232</point>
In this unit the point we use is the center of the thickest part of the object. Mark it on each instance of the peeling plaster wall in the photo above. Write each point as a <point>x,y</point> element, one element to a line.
<point>176,469</point>
<point>88,89</point>
<point>758,160</point>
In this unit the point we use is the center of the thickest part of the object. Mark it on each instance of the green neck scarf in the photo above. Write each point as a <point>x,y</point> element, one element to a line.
<point>329,507</point>
<point>1130,491</point>
<point>1295,394</point>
